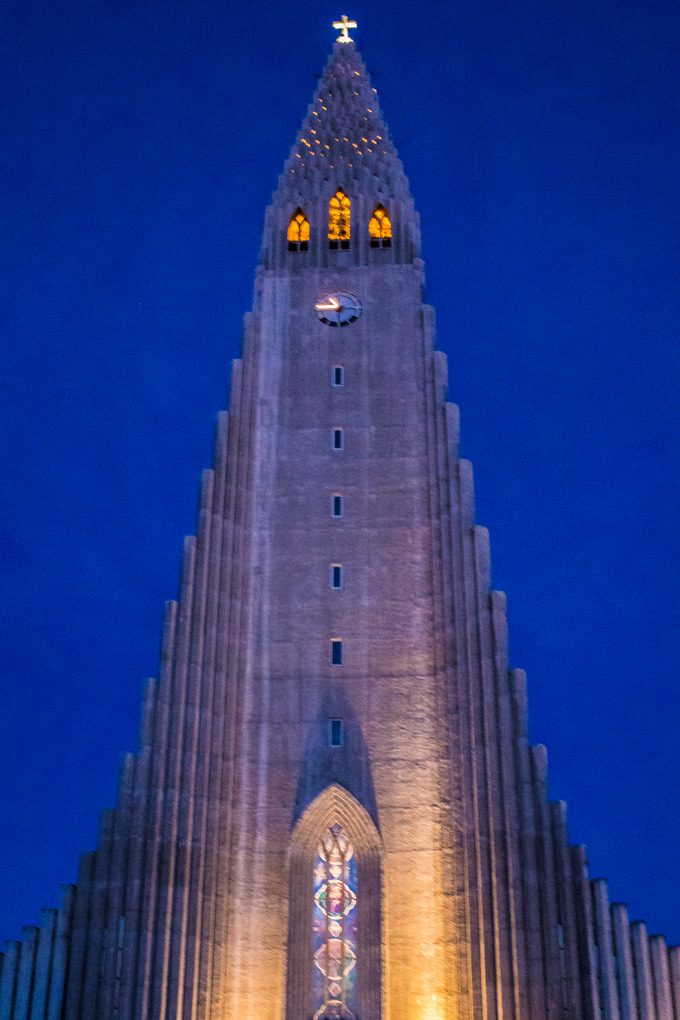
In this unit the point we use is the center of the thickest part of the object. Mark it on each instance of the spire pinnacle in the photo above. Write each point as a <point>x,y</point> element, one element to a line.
<point>343,169</point>
<point>344,141</point>
<point>343,27</point>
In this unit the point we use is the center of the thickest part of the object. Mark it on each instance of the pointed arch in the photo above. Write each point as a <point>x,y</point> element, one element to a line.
<point>380,228</point>
<point>335,819</point>
<point>339,214</point>
<point>298,231</point>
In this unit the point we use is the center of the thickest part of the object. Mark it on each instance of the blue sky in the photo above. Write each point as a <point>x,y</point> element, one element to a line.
<point>143,141</point>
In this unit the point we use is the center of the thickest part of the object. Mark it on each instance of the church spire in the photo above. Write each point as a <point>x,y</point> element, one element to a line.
<point>343,146</point>
<point>343,138</point>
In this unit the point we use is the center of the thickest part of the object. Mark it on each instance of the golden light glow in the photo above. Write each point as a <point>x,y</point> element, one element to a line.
<point>338,217</point>
<point>380,225</point>
<point>433,1013</point>
<point>298,231</point>
<point>343,26</point>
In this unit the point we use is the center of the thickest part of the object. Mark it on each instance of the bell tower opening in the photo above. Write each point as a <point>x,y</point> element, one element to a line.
<point>298,231</point>
<point>380,228</point>
<point>339,220</point>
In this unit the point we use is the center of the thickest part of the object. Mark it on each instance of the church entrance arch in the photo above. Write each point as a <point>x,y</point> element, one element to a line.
<point>335,912</point>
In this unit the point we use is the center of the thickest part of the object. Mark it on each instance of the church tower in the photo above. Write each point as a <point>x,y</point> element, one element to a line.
<point>335,811</point>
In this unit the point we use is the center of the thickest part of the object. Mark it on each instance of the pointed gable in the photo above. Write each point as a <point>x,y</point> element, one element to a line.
<point>344,140</point>
<point>343,147</point>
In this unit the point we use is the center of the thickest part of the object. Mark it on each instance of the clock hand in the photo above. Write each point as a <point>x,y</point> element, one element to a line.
<point>331,306</point>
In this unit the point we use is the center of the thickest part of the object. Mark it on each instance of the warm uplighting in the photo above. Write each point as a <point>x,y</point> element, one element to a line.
<point>434,1011</point>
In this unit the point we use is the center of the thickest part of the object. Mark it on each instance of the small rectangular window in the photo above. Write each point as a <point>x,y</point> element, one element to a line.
<point>336,735</point>
<point>338,439</point>
<point>337,505</point>
<point>336,651</point>
<point>337,375</point>
<point>336,576</point>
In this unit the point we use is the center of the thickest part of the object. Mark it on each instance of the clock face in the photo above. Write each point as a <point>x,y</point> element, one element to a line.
<point>338,308</point>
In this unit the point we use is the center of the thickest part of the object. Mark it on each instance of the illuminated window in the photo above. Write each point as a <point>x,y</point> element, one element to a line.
<point>338,220</point>
<point>336,505</point>
<point>298,232</point>
<point>337,375</point>
<point>338,439</point>
<point>336,576</point>
<point>335,733</point>
<point>380,228</point>
<point>334,921</point>
<point>336,651</point>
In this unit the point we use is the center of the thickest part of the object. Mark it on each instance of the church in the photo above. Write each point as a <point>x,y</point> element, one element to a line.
<point>335,810</point>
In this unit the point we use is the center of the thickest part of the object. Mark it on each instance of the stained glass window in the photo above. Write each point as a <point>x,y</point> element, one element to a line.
<point>338,220</point>
<point>298,232</point>
<point>380,228</point>
<point>334,927</point>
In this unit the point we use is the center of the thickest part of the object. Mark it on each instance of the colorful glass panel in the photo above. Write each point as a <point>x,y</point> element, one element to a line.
<point>334,927</point>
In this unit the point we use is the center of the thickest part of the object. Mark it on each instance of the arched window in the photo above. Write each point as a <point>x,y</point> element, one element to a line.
<point>334,926</point>
<point>338,220</point>
<point>380,228</point>
<point>298,232</point>
<point>335,918</point>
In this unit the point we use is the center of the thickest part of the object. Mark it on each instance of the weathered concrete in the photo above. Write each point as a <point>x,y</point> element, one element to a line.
<point>197,903</point>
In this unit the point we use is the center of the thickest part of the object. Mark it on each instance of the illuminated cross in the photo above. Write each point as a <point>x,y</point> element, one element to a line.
<point>344,26</point>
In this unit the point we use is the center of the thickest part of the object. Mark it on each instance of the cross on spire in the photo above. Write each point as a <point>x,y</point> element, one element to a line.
<point>344,26</point>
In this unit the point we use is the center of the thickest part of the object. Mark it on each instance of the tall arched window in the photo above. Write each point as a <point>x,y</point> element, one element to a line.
<point>334,926</point>
<point>334,959</point>
<point>338,220</point>
<point>298,231</point>
<point>380,228</point>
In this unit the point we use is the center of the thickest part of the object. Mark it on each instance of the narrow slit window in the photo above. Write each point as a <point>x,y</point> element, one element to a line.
<point>338,439</point>
<point>298,231</point>
<point>336,651</point>
<point>337,375</point>
<point>380,228</point>
<point>339,220</point>
<point>336,576</point>
<point>336,734</point>
<point>337,505</point>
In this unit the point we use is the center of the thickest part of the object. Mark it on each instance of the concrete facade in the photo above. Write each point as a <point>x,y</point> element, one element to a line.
<point>197,902</point>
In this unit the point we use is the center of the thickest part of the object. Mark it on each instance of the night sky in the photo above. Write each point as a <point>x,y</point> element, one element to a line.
<point>141,143</point>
